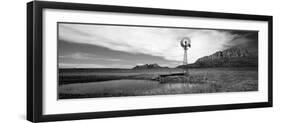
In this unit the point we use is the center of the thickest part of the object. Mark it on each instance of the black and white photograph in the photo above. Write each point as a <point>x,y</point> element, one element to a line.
<point>110,60</point>
<point>88,60</point>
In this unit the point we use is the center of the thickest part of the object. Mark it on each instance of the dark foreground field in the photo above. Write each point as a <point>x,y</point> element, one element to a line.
<point>92,83</point>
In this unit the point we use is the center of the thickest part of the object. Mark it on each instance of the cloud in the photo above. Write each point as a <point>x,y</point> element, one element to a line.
<point>87,56</point>
<point>80,65</point>
<point>247,40</point>
<point>163,42</point>
<point>77,65</point>
<point>79,56</point>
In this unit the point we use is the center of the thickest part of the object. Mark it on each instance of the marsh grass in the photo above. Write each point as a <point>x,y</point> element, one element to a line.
<point>209,80</point>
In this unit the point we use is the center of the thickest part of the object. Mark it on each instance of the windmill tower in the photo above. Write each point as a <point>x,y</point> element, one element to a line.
<point>185,44</point>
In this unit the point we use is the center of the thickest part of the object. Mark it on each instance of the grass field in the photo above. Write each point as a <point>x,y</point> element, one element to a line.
<point>124,82</point>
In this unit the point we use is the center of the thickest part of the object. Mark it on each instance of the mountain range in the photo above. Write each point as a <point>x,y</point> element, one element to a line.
<point>233,57</point>
<point>148,66</point>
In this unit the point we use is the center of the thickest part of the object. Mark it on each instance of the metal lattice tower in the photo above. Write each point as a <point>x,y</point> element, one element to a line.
<point>185,58</point>
<point>185,43</point>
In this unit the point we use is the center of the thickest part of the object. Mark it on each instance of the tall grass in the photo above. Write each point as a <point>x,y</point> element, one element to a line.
<point>209,80</point>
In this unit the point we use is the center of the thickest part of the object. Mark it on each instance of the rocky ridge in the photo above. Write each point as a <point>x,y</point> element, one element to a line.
<point>233,57</point>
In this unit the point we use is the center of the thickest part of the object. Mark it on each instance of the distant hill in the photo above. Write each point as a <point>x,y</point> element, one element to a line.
<point>148,66</point>
<point>233,57</point>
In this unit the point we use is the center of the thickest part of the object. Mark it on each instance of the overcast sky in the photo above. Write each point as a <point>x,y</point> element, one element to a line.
<point>111,46</point>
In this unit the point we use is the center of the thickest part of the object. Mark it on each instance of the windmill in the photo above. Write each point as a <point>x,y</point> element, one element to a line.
<point>185,44</point>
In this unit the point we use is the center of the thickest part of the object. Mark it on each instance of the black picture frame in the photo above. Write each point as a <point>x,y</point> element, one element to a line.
<point>35,69</point>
